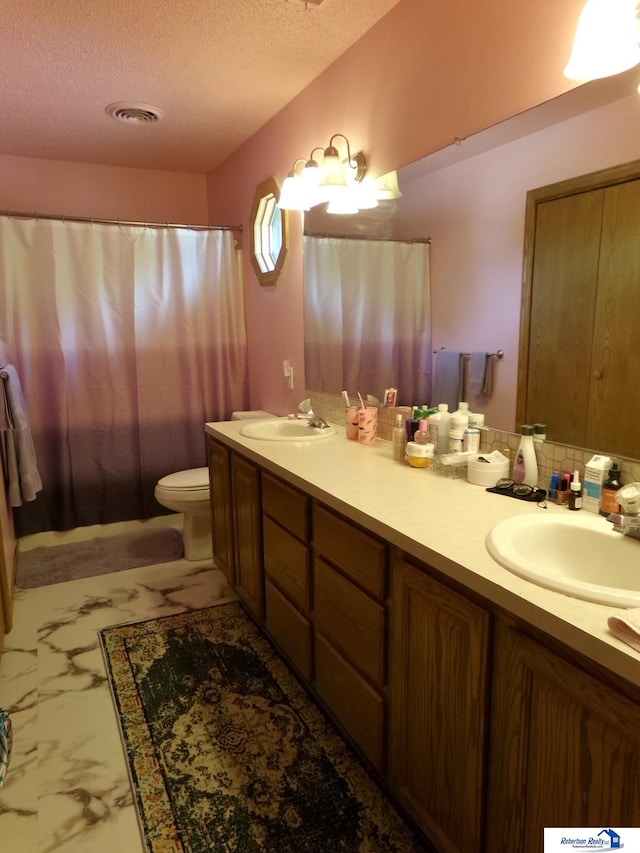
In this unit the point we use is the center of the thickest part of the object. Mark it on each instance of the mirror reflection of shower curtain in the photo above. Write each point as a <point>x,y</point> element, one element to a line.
<point>367,317</point>
<point>127,340</point>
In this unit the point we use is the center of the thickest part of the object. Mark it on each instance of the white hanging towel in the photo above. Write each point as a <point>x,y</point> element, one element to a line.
<point>18,450</point>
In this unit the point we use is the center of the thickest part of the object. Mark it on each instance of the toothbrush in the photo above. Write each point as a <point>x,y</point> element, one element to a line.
<point>345,397</point>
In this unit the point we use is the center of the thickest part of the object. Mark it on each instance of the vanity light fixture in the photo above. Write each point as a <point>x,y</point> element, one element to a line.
<point>293,195</point>
<point>606,40</point>
<point>332,179</point>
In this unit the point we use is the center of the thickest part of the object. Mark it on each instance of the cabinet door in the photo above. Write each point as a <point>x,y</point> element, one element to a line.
<point>565,281</point>
<point>221,509</point>
<point>247,529</point>
<point>615,389</point>
<point>438,677</point>
<point>565,748</point>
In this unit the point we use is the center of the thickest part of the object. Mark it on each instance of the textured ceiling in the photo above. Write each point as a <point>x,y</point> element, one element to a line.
<point>218,69</point>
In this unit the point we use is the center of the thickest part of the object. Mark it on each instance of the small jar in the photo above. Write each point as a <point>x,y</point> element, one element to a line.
<point>419,455</point>
<point>455,440</point>
<point>471,440</point>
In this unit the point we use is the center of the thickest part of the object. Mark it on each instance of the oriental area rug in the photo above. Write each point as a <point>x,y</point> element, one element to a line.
<point>227,752</point>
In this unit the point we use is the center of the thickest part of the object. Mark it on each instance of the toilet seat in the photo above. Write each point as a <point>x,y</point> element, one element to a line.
<point>189,485</point>
<point>192,478</point>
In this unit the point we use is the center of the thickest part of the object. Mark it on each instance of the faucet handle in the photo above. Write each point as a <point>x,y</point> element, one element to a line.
<point>629,498</point>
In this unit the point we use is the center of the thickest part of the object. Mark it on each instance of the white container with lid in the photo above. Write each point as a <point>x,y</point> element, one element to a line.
<point>485,469</point>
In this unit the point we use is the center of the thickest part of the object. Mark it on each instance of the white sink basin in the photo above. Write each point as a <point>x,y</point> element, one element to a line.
<point>285,429</point>
<point>579,554</point>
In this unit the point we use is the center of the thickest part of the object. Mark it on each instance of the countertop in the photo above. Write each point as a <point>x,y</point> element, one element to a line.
<point>440,521</point>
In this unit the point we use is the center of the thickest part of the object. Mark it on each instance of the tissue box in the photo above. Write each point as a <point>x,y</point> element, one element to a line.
<point>595,473</point>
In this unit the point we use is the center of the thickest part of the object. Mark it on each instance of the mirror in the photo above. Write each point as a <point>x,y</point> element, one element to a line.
<point>473,207</point>
<point>581,272</point>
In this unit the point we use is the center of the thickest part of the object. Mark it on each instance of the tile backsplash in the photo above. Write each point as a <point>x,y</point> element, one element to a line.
<point>551,456</point>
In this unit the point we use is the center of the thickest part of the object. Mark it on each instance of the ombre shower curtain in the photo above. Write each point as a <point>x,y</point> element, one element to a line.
<point>126,340</point>
<point>367,319</point>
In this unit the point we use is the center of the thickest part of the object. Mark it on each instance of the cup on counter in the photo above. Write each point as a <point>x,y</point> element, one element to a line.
<point>368,425</point>
<point>351,422</point>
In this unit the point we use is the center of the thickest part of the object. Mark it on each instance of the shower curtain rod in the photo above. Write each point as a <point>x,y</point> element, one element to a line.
<point>94,220</point>
<point>366,237</point>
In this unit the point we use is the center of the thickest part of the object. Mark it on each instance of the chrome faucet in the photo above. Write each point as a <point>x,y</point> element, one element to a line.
<point>318,422</point>
<point>305,412</point>
<point>627,522</point>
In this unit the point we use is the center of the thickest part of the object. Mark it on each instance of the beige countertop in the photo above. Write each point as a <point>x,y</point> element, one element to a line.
<point>440,521</point>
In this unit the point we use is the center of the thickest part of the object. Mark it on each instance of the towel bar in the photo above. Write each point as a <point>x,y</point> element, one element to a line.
<point>497,354</point>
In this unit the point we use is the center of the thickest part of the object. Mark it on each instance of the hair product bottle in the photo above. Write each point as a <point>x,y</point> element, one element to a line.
<point>399,439</point>
<point>563,492</point>
<point>525,467</point>
<point>575,492</point>
<point>422,435</point>
<point>608,502</point>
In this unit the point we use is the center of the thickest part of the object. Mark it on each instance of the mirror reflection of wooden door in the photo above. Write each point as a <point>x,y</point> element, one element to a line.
<point>614,402</point>
<point>584,321</point>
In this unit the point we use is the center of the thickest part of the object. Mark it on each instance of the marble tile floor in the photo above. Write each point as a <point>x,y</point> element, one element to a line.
<point>67,789</point>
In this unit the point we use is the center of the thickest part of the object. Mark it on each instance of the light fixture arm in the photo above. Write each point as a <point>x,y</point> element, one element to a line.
<point>357,161</point>
<point>311,160</point>
<point>293,172</point>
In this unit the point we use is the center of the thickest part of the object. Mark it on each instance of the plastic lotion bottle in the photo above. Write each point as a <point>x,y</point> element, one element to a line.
<point>462,412</point>
<point>399,438</point>
<point>525,467</point>
<point>575,493</point>
<point>439,425</point>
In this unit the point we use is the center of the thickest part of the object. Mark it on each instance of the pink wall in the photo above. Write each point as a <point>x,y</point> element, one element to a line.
<point>427,73</point>
<point>108,192</point>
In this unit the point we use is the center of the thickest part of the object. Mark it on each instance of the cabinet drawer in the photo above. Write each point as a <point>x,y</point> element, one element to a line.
<point>356,705</point>
<point>351,621</point>
<point>356,553</point>
<point>286,562</point>
<point>286,505</point>
<point>290,630</point>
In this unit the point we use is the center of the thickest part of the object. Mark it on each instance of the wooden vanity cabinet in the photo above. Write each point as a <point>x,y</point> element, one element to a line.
<point>286,530</point>
<point>247,533</point>
<point>439,707</point>
<point>221,501</point>
<point>565,747</point>
<point>236,523</point>
<point>350,589</point>
<point>483,729</point>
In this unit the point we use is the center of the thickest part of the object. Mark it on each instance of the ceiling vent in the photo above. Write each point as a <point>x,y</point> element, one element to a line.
<point>134,113</point>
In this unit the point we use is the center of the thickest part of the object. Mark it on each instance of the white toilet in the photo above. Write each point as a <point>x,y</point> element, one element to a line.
<point>188,492</point>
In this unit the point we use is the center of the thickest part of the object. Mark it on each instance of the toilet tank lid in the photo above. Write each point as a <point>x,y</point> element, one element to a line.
<point>252,415</point>
<point>191,478</point>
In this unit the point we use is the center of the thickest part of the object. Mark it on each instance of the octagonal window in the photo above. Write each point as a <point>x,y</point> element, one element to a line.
<point>269,239</point>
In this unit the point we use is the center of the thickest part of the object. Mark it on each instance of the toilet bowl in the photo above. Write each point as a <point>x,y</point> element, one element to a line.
<point>188,492</point>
